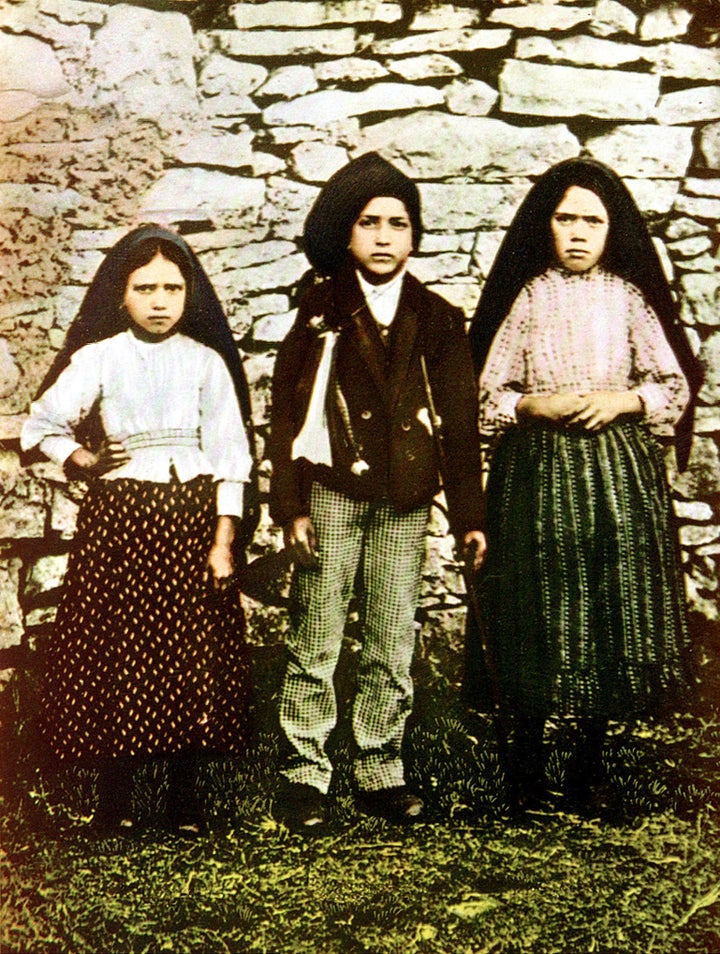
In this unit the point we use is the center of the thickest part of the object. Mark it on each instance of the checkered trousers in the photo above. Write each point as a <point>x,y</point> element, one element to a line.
<point>388,548</point>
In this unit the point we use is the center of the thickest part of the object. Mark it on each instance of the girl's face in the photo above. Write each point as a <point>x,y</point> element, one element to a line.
<point>579,227</point>
<point>155,296</point>
<point>381,239</point>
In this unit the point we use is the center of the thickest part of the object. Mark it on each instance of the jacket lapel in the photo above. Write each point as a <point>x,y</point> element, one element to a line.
<point>403,342</point>
<point>362,329</point>
<point>366,337</point>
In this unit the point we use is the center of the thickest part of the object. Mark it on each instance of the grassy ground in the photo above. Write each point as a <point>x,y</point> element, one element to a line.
<point>640,875</point>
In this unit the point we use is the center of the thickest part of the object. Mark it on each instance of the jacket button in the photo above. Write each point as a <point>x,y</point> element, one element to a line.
<point>406,425</point>
<point>366,415</point>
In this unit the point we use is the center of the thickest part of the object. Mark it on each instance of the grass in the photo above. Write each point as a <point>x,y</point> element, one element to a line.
<point>640,875</point>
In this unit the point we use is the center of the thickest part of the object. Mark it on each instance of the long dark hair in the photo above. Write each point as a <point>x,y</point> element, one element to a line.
<point>527,250</point>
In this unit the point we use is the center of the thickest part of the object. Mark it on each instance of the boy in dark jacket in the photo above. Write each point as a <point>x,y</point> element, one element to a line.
<point>372,387</point>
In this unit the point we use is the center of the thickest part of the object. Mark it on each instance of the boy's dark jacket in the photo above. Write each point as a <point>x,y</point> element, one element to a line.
<point>383,389</point>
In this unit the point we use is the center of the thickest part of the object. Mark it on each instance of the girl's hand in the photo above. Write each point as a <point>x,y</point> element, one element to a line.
<point>111,454</point>
<point>220,564</point>
<point>600,408</point>
<point>559,408</point>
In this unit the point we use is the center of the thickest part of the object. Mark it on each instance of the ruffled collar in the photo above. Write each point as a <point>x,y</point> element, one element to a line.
<point>587,275</point>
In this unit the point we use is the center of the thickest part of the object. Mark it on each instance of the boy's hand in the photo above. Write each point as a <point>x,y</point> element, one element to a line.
<point>111,454</point>
<point>300,538</point>
<point>474,549</point>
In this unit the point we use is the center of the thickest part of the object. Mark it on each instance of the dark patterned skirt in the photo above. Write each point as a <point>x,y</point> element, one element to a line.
<point>145,658</point>
<point>581,593</point>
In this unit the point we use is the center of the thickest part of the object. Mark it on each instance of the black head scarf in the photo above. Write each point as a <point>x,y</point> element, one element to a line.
<point>527,250</point>
<point>102,315</point>
<point>342,199</point>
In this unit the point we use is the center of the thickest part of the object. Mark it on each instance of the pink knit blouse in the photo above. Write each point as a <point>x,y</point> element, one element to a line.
<point>578,333</point>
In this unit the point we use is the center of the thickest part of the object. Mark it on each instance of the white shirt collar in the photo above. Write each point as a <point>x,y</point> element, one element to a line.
<point>382,300</point>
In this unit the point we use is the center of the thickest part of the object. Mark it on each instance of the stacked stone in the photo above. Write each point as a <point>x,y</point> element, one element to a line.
<point>112,114</point>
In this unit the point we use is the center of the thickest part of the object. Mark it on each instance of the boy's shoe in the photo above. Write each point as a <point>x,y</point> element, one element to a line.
<point>302,808</point>
<point>396,804</point>
<point>107,821</point>
<point>186,823</point>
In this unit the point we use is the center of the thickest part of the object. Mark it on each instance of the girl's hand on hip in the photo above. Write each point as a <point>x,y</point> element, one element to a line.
<point>600,408</point>
<point>110,455</point>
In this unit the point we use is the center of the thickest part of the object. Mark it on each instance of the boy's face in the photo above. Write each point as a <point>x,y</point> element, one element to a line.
<point>381,239</point>
<point>579,228</point>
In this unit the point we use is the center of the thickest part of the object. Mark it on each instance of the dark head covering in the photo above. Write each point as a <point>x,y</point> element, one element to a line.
<point>342,199</point>
<point>527,250</point>
<point>102,315</point>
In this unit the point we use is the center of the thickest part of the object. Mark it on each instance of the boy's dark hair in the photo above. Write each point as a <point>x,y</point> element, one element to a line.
<point>342,199</point>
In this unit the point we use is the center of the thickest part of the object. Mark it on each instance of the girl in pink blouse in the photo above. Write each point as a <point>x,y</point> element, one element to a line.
<point>583,365</point>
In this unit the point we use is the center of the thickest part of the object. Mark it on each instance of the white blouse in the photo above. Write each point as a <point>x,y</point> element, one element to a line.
<point>171,403</point>
<point>578,333</point>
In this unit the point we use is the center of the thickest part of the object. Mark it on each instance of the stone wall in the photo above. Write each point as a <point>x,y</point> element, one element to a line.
<point>223,120</point>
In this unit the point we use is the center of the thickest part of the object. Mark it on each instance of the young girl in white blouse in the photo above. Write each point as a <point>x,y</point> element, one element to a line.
<point>583,364</point>
<point>146,402</point>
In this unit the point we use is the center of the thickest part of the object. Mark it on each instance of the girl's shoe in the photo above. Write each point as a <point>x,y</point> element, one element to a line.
<point>115,787</point>
<point>182,815</point>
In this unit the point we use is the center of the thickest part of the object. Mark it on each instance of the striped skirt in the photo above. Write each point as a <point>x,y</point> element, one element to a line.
<point>145,658</point>
<point>581,593</point>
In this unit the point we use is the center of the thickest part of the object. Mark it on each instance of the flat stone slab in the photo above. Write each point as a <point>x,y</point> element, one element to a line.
<point>683,61</point>
<point>312,13</point>
<point>695,105</point>
<point>541,16</point>
<point>700,299</point>
<point>444,16</point>
<point>470,97</point>
<point>445,41</point>
<point>654,195</point>
<point>468,205</point>
<point>434,145</point>
<point>638,151</point>
<point>154,75</point>
<point>665,23</point>
<point>539,90</point>
<point>424,66</point>
<point>581,50</point>
<point>194,193</point>
<point>325,107</point>
<point>222,75</point>
<point>260,44</point>
<point>31,66</point>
